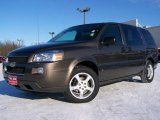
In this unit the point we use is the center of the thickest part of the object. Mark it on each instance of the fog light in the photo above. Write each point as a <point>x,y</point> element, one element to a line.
<point>37,70</point>
<point>5,69</point>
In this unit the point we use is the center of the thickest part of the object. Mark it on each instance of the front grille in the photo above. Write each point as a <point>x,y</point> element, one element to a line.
<point>18,59</point>
<point>15,70</point>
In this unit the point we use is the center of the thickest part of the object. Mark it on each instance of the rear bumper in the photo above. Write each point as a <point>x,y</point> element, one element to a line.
<point>54,78</point>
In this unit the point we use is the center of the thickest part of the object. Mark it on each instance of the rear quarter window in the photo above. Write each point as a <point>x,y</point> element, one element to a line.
<point>132,35</point>
<point>148,37</point>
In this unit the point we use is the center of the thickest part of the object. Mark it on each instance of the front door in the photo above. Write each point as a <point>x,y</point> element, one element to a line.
<point>112,59</point>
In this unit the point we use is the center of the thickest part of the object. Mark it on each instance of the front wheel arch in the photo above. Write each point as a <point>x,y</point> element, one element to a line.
<point>82,62</point>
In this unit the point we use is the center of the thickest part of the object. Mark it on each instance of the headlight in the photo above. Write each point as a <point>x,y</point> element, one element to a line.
<point>48,56</point>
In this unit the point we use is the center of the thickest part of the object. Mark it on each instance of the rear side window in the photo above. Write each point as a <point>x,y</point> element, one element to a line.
<point>132,35</point>
<point>148,37</point>
<point>113,31</point>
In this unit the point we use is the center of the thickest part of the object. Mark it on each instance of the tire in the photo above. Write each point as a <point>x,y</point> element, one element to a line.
<point>148,73</point>
<point>83,85</point>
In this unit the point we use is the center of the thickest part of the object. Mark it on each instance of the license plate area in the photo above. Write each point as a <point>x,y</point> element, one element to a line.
<point>12,80</point>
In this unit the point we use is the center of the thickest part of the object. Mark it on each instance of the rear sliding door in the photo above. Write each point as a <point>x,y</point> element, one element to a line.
<point>135,49</point>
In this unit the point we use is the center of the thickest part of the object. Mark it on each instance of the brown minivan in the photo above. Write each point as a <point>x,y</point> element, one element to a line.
<point>82,58</point>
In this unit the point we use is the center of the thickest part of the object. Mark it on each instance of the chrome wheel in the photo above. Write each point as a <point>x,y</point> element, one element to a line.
<point>150,71</point>
<point>82,85</point>
<point>147,74</point>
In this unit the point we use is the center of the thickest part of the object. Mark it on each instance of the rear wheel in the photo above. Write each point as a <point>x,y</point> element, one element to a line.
<point>83,85</point>
<point>148,72</point>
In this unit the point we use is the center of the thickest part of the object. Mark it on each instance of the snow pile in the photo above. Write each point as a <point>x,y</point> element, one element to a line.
<point>119,101</point>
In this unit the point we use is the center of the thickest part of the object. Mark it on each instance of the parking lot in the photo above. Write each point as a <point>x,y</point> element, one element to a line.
<point>119,101</point>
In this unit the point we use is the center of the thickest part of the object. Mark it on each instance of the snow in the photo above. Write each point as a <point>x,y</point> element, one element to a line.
<point>119,101</point>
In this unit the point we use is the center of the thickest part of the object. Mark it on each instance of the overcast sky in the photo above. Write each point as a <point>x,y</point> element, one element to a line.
<point>19,18</point>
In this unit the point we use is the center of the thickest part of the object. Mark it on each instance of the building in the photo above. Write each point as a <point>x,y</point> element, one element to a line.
<point>154,30</point>
<point>133,22</point>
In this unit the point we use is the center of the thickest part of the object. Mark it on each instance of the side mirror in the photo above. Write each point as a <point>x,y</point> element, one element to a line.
<point>108,41</point>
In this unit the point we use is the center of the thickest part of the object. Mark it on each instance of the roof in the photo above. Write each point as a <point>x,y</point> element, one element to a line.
<point>154,27</point>
<point>105,24</point>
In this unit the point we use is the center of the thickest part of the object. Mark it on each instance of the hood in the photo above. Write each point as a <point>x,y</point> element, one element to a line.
<point>42,47</point>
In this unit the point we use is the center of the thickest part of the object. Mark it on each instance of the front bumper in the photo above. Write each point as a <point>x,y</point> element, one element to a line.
<point>54,79</point>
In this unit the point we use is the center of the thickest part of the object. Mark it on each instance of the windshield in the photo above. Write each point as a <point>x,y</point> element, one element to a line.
<point>78,33</point>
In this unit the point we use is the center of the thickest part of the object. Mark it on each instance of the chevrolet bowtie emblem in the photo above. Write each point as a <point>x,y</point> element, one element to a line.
<point>12,64</point>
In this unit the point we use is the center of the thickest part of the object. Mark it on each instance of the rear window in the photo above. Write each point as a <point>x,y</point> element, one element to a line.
<point>148,37</point>
<point>132,35</point>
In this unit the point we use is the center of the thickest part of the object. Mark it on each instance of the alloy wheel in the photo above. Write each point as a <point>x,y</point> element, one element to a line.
<point>82,85</point>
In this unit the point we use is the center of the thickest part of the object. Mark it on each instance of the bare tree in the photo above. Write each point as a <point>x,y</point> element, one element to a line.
<point>8,45</point>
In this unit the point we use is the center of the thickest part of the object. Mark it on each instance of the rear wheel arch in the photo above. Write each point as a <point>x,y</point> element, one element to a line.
<point>150,59</point>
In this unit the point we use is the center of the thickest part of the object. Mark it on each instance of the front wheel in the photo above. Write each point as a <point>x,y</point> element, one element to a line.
<point>83,85</point>
<point>148,72</point>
